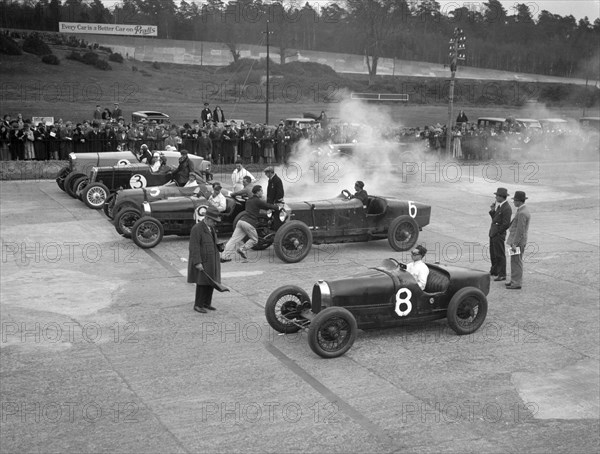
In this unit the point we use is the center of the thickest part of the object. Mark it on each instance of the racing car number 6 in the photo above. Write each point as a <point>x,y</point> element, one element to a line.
<point>412,209</point>
<point>405,300</point>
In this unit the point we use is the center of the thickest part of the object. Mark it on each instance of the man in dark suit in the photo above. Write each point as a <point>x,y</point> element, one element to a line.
<point>204,265</point>
<point>185,170</point>
<point>206,115</point>
<point>275,191</point>
<point>500,212</point>
<point>517,240</point>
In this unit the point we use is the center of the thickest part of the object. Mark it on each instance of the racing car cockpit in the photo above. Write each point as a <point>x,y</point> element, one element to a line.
<point>437,281</point>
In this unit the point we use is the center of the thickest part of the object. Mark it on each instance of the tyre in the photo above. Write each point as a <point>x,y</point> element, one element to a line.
<point>79,186</point>
<point>94,195</point>
<point>108,206</point>
<point>467,310</point>
<point>68,183</point>
<point>285,304</point>
<point>125,220</point>
<point>60,179</point>
<point>293,241</point>
<point>147,232</point>
<point>403,233</point>
<point>332,332</point>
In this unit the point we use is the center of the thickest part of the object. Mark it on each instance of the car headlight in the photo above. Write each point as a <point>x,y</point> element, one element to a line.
<point>283,215</point>
<point>147,208</point>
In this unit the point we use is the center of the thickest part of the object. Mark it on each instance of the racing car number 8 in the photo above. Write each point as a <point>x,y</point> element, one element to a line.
<point>405,300</point>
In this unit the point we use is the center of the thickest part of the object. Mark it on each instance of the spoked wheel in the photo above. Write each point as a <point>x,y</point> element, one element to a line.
<point>286,304</point>
<point>94,195</point>
<point>293,241</point>
<point>467,310</point>
<point>403,233</point>
<point>147,232</point>
<point>125,221</point>
<point>332,332</point>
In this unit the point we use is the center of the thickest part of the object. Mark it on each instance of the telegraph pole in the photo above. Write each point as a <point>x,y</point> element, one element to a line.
<point>267,82</point>
<point>456,53</point>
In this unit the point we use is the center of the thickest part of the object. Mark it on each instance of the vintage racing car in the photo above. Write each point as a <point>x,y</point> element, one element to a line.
<point>103,181</point>
<point>173,216</point>
<point>80,165</point>
<point>381,297</point>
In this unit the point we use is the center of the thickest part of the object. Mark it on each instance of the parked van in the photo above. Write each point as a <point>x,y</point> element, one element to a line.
<point>150,115</point>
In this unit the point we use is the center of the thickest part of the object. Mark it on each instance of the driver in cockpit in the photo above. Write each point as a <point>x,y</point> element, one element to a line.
<point>417,268</point>
<point>360,193</point>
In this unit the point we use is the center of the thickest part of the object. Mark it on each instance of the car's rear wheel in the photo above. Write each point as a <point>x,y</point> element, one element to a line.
<point>283,305</point>
<point>332,332</point>
<point>60,178</point>
<point>403,233</point>
<point>109,205</point>
<point>293,241</point>
<point>467,310</point>
<point>69,181</point>
<point>147,232</point>
<point>79,186</point>
<point>125,220</point>
<point>94,195</point>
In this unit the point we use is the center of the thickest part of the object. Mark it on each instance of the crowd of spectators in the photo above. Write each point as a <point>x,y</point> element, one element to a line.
<point>223,142</point>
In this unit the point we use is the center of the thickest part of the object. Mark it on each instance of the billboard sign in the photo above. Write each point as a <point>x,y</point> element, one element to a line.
<point>108,29</point>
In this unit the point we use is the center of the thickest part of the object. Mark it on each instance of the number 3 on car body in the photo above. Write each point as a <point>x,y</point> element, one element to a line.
<point>405,300</point>
<point>137,181</point>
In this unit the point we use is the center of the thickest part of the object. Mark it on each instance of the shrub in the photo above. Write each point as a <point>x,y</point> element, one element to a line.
<point>9,46</point>
<point>108,50</point>
<point>90,58</point>
<point>74,56</point>
<point>34,45</point>
<point>155,65</point>
<point>103,65</point>
<point>116,57</point>
<point>51,59</point>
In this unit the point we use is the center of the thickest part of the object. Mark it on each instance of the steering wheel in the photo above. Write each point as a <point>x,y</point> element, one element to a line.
<point>346,194</point>
<point>402,266</point>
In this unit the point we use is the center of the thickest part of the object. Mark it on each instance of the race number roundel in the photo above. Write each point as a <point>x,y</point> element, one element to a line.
<point>400,300</point>
<point>138,181</point>
<point>123,162</point>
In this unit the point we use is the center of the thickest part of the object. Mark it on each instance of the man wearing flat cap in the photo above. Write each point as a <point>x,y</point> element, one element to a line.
<point>500,212</point>
<point>217,199</point>
<point>206,115</point>
<point>204,265</point>
<point>360,193</point>
<point>517,240</point>
<point>185,171</point>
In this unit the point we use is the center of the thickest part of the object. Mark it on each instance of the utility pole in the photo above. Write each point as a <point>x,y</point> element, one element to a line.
<point>456,52</point>
<point>267,82</point>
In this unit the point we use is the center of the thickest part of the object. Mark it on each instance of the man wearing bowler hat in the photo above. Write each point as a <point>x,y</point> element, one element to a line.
<point>500,212</point>
<point>204,265</point>
<point>517,240</point>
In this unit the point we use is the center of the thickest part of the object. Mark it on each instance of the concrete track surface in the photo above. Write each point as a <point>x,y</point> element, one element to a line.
<point>101,351</point>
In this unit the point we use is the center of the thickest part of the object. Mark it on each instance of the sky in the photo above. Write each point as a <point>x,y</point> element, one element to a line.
<point>578,8</point>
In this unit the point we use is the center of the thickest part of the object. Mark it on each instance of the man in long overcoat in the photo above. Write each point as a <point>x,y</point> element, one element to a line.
<point>500,212</point>
<point>517,240</point>
<point>204,264</point>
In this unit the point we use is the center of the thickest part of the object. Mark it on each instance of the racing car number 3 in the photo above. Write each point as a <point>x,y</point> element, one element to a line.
<point>137,181</point>
<point>406,300</point>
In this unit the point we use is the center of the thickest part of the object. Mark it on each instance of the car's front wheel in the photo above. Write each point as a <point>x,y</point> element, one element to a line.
<point>147,232</point>
<point>69,181</point>
<point>293,241</point>
<point>467,310</point>
<point>60,178</point>
<point>79,186</point>
<point>332,332</point>
<point>403,233</point>
<point>285,304</point>
<point>125,220</point>
<point>109,205</point>
<point>94,195</point>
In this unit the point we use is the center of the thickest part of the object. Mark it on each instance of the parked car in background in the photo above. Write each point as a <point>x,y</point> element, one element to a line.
<point>300,123</point>
<point>382,297</point>
<point>149,115</point>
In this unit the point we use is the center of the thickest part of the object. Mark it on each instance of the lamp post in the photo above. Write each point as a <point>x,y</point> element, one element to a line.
<point>456,53</point>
